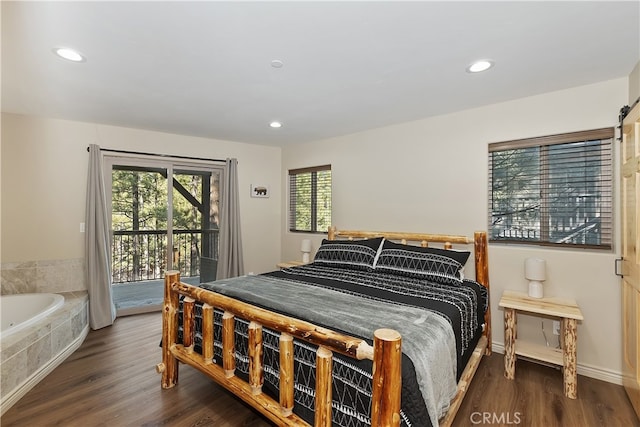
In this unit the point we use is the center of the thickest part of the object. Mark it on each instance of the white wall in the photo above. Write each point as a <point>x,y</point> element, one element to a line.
<point>431,176</point>
<point>44,178</point>
<point>634,84</point>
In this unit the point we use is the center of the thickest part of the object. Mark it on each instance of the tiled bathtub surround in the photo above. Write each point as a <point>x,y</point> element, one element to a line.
<point>54,276</point>
<point>28,356</point>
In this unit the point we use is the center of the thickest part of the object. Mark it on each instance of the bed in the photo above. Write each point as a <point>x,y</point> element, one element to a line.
<point>381,329</point>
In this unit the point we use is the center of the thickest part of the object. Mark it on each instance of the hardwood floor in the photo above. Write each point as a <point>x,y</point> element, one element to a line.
<point>535,398</point>
<point>111,381</point>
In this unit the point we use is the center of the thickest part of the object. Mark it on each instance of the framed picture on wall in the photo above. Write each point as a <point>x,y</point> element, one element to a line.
<point>259,191</point>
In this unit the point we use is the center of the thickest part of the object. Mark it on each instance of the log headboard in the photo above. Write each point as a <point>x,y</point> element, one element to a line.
<point>479,241</point>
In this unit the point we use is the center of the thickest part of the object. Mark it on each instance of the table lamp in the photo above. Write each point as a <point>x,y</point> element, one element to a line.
<point>305,248</point>
<point>534,271</point>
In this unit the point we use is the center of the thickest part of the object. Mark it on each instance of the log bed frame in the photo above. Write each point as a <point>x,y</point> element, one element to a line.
<point>385,352</point>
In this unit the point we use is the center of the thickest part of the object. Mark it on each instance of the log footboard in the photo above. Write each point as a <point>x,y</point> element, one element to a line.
<point>386,355</point>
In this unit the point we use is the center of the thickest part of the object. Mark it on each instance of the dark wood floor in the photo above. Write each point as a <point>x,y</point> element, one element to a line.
<point>535,398</point>
<point>111,381</point>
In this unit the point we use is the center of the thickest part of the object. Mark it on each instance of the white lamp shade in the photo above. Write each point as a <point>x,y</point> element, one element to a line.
<point>305,248</point>
<point>535,272</point>
<point>535,269</point>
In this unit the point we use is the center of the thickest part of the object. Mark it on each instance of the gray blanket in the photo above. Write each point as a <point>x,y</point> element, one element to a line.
<point>427,337</point>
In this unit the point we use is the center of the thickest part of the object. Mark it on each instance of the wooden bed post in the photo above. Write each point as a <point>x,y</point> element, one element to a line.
<point>256,350</point>
<point>324,364</point>
<point>207,333</point>
<point>188,305</point>
<point>481,249</point>
<point>169,366</point>
<point>331,234</point>
<point>228,344</point>
<point>286,374</point>
<point>387,378</point>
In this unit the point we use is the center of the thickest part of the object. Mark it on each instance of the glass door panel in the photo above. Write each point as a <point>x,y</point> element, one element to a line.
<point>195,223</point>
<point>139,223</point>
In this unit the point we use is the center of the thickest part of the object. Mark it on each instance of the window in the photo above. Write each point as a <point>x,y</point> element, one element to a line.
<point>310,199</point>
<point>553,190</point>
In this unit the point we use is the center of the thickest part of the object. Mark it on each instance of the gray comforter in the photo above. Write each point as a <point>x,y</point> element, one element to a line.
<point>428,338</point>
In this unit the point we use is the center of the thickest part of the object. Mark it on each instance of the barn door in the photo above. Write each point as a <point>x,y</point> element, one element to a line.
<point>630,185</point>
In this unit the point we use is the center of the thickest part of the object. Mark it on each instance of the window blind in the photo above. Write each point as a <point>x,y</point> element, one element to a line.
<point>310,199</point>
<point>553,190</point>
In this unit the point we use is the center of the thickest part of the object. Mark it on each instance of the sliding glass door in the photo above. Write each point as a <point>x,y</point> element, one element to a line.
<point>164,216</point>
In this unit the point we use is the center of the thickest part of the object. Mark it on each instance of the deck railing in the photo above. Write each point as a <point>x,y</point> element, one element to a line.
<point>139,255</point>
<point>588,233</point>
<point>574,221</point>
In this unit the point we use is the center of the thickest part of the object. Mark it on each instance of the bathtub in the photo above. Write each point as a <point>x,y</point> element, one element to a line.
<point>39,331</point>
<point>20,311</point>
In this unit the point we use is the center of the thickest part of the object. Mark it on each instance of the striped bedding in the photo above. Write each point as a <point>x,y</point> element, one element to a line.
<point>440,324</point>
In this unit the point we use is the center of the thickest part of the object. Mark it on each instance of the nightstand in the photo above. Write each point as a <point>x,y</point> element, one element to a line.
<point>567,311</point>
<point>287,264</point>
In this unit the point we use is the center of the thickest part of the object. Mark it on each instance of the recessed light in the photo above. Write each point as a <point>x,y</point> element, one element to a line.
<point>69,54</point>
<point>479,66</point>
<point>276,63</point>
<point>275,124</point>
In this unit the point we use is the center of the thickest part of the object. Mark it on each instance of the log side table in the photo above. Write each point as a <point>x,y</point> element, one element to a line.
<point>288,264</point>
<point>567,311</point>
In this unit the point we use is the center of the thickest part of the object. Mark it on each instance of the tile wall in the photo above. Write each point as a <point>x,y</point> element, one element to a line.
<point>26,354</point>
<point>54,276</point>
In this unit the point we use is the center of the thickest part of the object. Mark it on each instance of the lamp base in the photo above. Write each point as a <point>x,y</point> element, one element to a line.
<point>535,289</point>
<point>305,257</point>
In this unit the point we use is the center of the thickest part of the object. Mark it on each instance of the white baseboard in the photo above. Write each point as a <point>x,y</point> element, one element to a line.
<point>590,371</point>
<point>16,394</point>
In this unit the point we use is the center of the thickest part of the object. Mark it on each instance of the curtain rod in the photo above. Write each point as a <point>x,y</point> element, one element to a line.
<point>160,155</point>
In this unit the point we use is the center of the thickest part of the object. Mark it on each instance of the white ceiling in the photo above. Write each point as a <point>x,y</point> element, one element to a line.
<point>204,68</point>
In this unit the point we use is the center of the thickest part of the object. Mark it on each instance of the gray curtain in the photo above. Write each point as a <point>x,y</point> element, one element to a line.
<point>230,262</point>
<point>102,311</point>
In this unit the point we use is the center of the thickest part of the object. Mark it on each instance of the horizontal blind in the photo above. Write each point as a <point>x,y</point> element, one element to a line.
<point>310,199</point>
<point>553,190</point>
